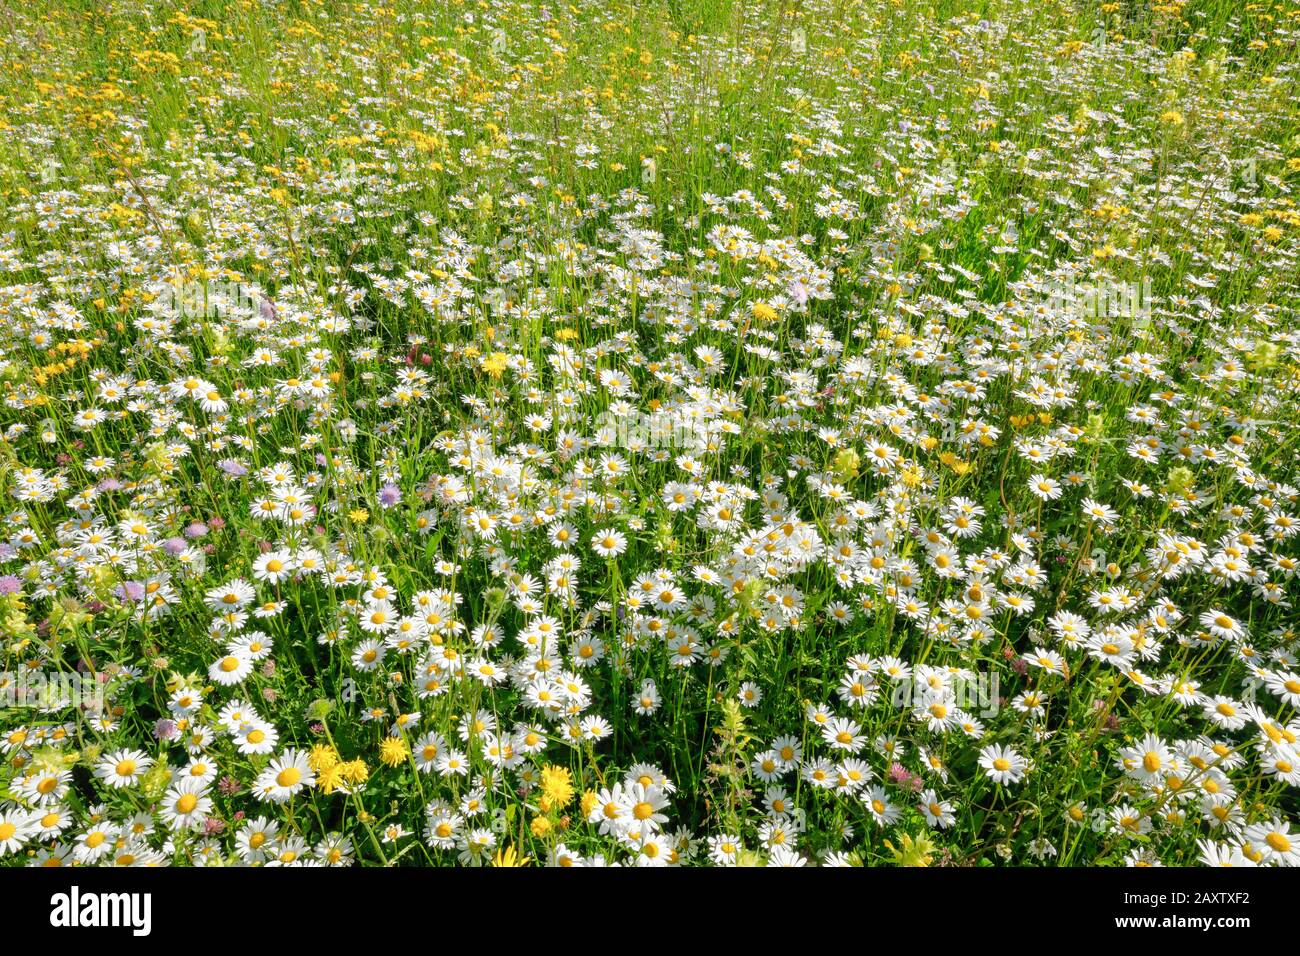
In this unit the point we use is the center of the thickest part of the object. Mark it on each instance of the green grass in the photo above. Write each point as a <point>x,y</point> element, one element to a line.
<point>936,166</point>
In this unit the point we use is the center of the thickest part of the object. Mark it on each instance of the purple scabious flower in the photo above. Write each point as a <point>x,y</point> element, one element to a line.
<point>389,495</point>
<point>233,468</point>
<point>164,729</point>
<point>174,546</point>
<point>196,529</point>
<point>9,584</point>
<point>130,591</point>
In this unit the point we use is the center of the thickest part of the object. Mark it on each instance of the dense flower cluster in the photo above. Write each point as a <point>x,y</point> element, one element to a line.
<point>573,434</point>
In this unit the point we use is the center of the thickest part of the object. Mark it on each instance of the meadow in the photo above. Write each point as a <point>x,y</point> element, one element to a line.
<point>688,433</point>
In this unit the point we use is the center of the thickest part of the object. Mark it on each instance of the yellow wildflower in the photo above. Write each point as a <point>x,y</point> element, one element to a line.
<point>393,751</point>
<point>323,757</point>
<point>508,857</point>
<point>557,788</point>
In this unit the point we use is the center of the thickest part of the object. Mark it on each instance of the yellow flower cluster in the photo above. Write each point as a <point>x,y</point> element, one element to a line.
<point>557,788</point>
<point>496,363</point>
<point>332,772</point>
<point>393,751</point>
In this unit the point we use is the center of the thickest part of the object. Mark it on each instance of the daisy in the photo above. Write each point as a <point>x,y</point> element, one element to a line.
<point>883,813</point>
<point>50,822</point>
<point>186,804</point>
<point>561,856</point>
<point>256,736</point>
<point>1224,712</point>
<point>646,803</point>
<point>16,828</point>
<point>1104,515</point>
<point>256,645</point>
<point>231,596</point>
<point>95,843</point>
<point>236,714</point>
<point>1221,625</point>
<point>724,849</point>
<point>46,787</point>
<point>652,849</point>
<point>378,618</point>
<point>427,749</point>
<point>274,566</point>
<point>286,775</point>
<point>938,813</point>
<point>1044,488</point>
<point>1275,841</point>
<point>369,654</point>
<point>781,831</point>
<point>1285,685</point>
<point>596,728</point>
<point>1150,758</point>
<point>786,857</point>
<point>443,827</point>
<point>843,734</point>
<point>611,810</point>
<point>1222,855</point>
<point>452,763</point>
<point>1002,764</point>
<point>231,669</point>
<point>609,543</point>
<point>123,768</point>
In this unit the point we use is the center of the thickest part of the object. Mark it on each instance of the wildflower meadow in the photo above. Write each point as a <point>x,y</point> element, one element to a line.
<point>688,433</point>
